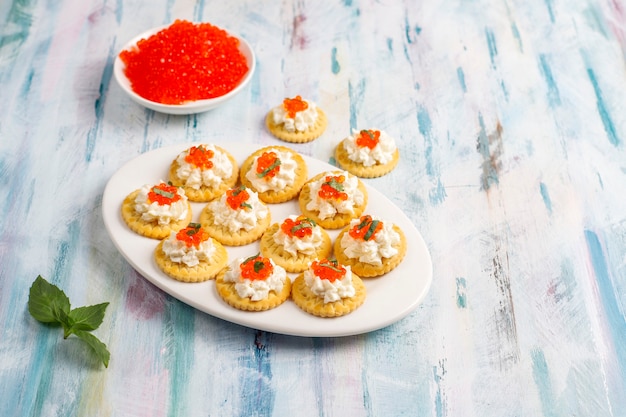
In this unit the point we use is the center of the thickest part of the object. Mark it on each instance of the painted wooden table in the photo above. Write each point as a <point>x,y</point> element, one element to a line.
<point>510,117</point>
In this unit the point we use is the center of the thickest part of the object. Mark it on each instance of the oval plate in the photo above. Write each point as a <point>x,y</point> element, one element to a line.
<point>390,297</point>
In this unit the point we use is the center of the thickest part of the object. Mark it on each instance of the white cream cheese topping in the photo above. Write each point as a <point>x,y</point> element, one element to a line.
<point>163,214</point>
<point>302,120</point>
<point>284,177</point>
<point>330,291</point>
<point>195,177</point>
<point>374,250</point>
<point>382,153</point>
<point>178,251</point>
<point>257,289</point>
<point>329,207</point>
<point>294,245</point>
<point>243,218</point>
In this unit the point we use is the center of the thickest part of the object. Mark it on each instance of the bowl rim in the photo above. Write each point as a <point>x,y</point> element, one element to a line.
<point>190,107</point>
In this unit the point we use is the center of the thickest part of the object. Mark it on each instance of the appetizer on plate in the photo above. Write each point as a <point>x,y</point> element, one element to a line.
<point>296,120</point>
<point>190,255</point>
<point>253,284</point>
<point>155,211</point>
<point>295,243</point>
<point>276,173</point>
<point>370,246</point>
<point>204,171</point>
<point>328,289</point>
<point>333,198</point>
<point>237,218</point>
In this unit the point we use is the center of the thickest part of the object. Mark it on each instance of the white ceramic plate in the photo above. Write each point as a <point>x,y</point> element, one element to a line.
<point>389,298</point>
<point>198,106</point>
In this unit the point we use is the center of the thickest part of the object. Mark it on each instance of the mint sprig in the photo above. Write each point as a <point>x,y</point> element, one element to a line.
<point>47,303</point>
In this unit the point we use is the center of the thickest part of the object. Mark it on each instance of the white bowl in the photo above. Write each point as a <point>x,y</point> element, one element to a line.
<point>191,107</point>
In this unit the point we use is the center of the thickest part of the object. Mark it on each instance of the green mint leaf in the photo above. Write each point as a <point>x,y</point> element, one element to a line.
<point>165,194</point>
<point>99,348</point>
<point>47,303</point>
<point>371,230</point>
<point>258,266</point>
<point>333,183</point>
<point>87,318</point>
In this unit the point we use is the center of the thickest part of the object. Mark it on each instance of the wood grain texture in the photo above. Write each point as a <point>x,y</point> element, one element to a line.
<point>511,123</point>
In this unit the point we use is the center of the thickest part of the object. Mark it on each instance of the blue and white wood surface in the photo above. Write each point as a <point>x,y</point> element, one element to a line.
<point>510,116</point>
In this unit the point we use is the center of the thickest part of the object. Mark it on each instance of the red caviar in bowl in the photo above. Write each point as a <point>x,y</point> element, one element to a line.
<point>163,194</point>
<point>192,235</point>
<point>200,157</point>
<point>327,269</point>
<point>366,229</point>
<point>368,138</point>
<point>332,188</point>
<point>268,165</point>
<point>256,268</point>
<point>185,62</point>
<point>301,227</point>
<point>294,105</point>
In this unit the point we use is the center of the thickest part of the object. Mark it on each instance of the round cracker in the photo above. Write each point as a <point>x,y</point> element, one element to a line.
<point>360,170</point>
<point>306,300</point>
<point>276,196</point>
<point>270,249</point>
<point>152,230</point>
<point>205,193</point>
<point>223,234</point>
<point>315,131</point>
<point>339,220</point>
<point>366,270</point>
<point>228,293</point>
<point>204,271</point>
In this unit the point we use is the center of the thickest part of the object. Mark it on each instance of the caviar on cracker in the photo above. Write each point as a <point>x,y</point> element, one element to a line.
<point>185,62</point>
<point>200,157</point>
<point>163,194</point>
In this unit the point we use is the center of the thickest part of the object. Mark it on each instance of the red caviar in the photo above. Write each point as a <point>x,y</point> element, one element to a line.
<point>366,229</point>
<point>200,157</point>
<point>329,270</point>
<point>163,194</point>
<point>236,198</point>
<point>300,228</point>
<point>294,105</point>
<point>185,62</point>
<point>368,138</point>
<point>268,165</point>
<point>332,188</point>
<point>192,235</point>
<point>256,267</point>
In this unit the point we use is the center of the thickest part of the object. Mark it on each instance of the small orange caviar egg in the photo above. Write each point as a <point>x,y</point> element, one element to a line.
<point>192,235</point>
<point>294,105</point>
<point>366,229</point>
<point>332,188</point>
<point>368,138</point>
<point>300,228</point>
<point>268,165</point>
<point>256,268</point>
<point>329,270</point>
<point>163,194</point>
<point>236,198</point>
<point>200,157</point>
